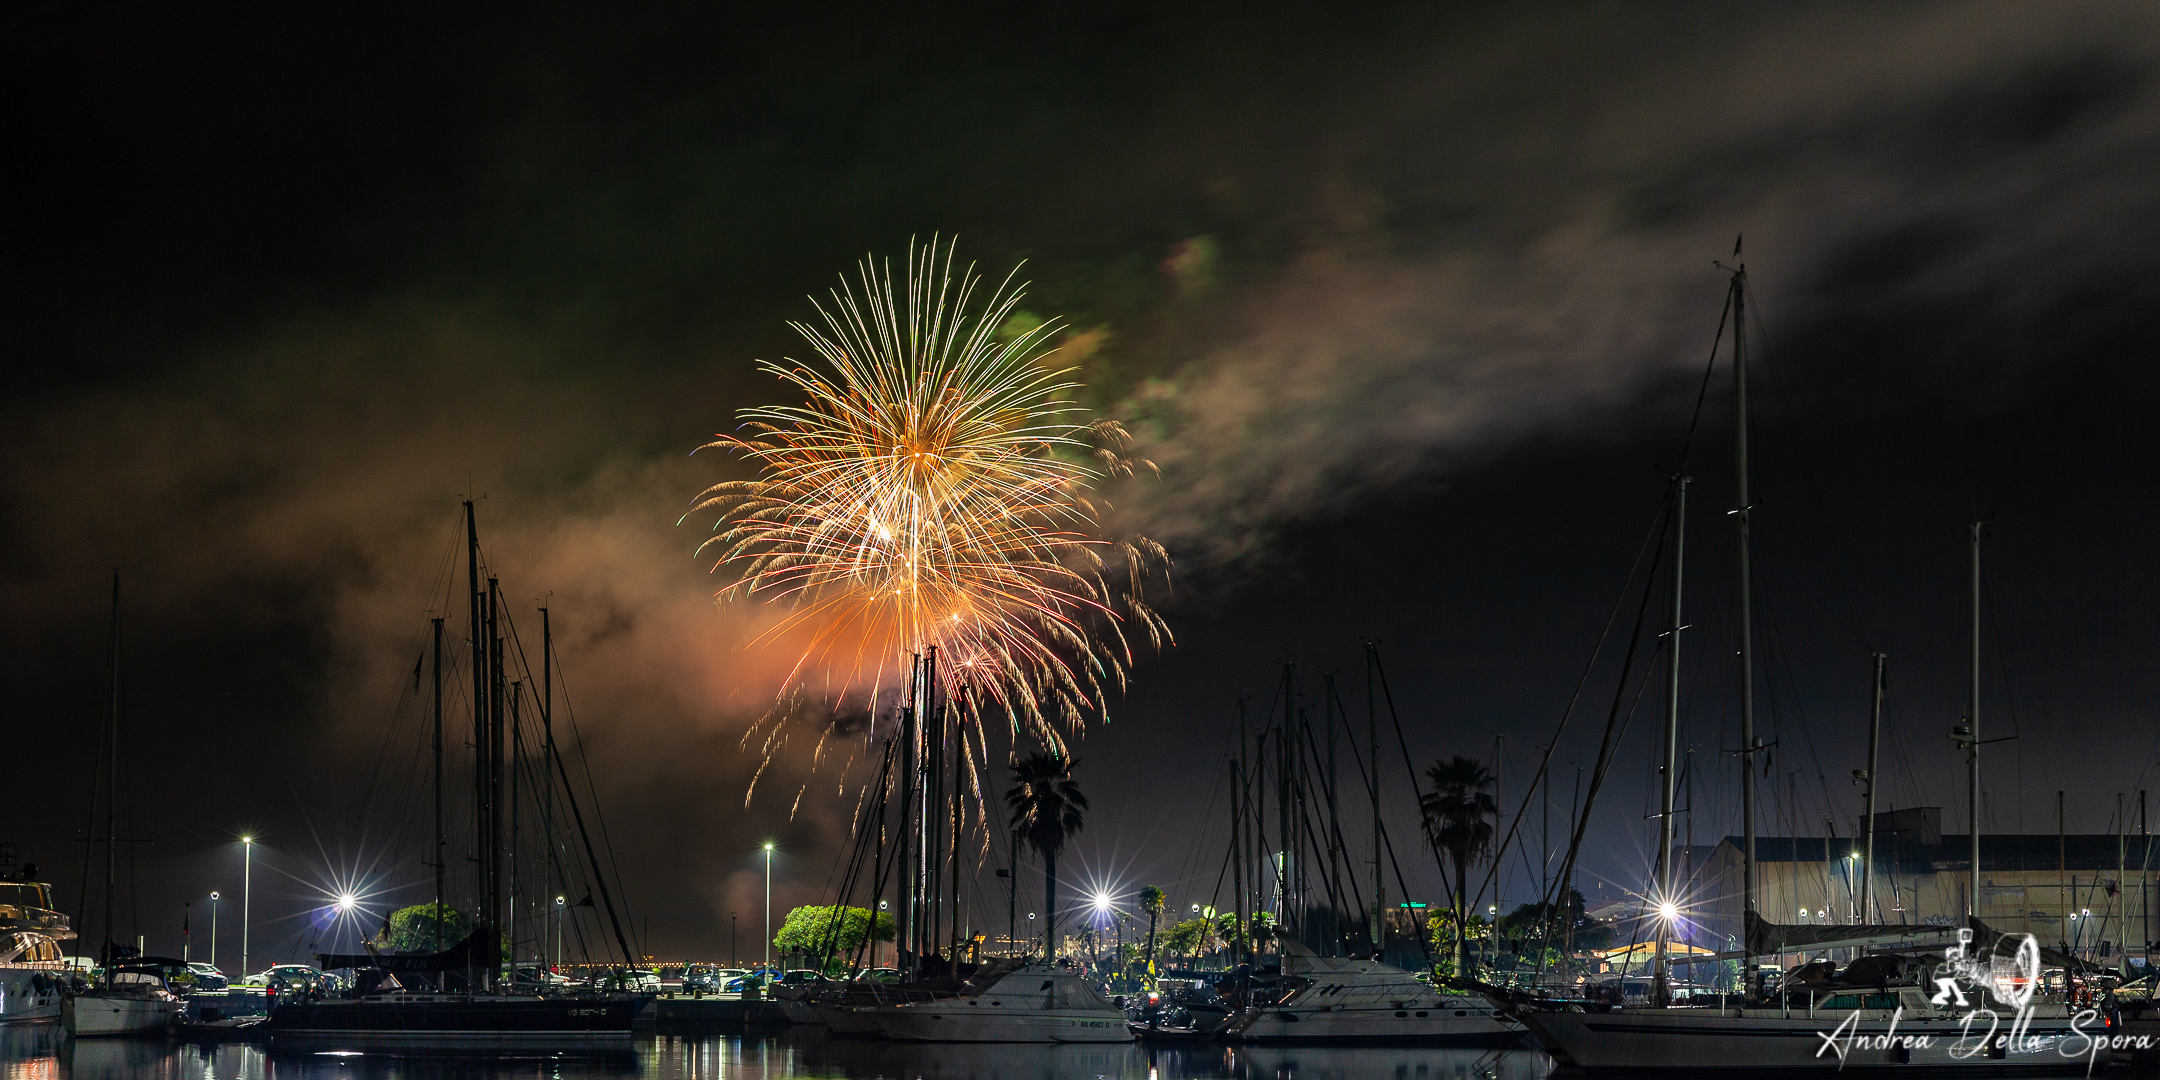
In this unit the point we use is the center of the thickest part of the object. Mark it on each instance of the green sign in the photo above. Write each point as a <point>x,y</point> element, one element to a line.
<point>1413,904</point>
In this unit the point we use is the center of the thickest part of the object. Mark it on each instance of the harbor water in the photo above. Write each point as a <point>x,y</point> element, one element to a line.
<point>44,1052</point>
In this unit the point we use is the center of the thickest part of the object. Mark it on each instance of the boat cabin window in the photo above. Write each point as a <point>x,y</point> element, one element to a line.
<point>1859,1001</point>
<point>28,949</point>
<point>23,894</point>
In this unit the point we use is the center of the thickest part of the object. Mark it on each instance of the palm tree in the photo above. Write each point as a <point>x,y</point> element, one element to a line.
<point>1151,901</point>
<point>1047,809</point>
<point>1458,812</point>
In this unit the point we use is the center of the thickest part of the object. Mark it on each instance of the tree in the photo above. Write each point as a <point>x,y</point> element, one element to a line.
<point>1193,938</point>
<point>1260,929</point>
<point>412,929</point>
<point>1443,935</point>
<point>814,931</point>
<point>1151,901</point>
<point>1048,809</point>
<point>1457,815</point>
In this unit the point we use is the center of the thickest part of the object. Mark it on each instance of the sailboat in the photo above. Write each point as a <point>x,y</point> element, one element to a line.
<point>485,1012</point>
<point>1880,1011</point>
<point>126,1000</point>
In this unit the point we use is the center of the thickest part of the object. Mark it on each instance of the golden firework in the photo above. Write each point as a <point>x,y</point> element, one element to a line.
<point>932,490</point>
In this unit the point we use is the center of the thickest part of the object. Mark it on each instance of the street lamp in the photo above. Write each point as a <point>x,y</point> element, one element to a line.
<point>247,899</point>
<point>213,928</point>
<point>558,932</point>
<point>767,906</point>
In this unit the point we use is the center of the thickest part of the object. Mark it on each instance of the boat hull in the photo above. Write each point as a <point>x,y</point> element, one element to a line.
<point>478,1022</point>
<point>966,1024</point>
<point>30,995</point>
<point>848,1019</point>
<point>93,1015</point>
<point>1761,1041</point>
<point>1472,1024</point>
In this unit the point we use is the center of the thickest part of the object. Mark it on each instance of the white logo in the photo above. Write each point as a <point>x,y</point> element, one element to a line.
<point>2010,981</point>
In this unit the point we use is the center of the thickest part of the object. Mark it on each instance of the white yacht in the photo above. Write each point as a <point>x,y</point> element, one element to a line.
<point>1037,1003</point>
<point>1365,1001</point>
<point>127,1003</point>
<point>32,969</point>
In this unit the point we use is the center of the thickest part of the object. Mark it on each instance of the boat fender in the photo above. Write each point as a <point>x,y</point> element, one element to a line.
<point>1904,1052</point>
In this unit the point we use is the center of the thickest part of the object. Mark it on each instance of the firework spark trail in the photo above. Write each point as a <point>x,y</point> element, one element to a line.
<point>932,491</point>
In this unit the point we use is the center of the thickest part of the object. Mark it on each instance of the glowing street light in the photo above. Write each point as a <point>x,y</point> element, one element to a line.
<point>247,899</point>
<point>345,903</point>
<point>213,928</point>
<point>768,905</point>
<point>1669,911</point>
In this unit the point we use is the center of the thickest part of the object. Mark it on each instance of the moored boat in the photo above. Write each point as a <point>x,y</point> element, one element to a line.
<point>1036,1003</point>
<point>33,972</point>
<point>1346,1000</point>
<point>127,1002</point>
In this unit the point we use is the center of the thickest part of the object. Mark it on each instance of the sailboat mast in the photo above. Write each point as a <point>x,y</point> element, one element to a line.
<point>904,944</point>
<point>958,708</point>
<point>1668,755</point>
<point>437,916</point>
<point>1372,750</point>
<point>494,751</point>
<point>1867,815</point>
<point>1237,854</point>
<point>479,698</point>
<point>1972,733</point>
<point>1747,606</point>
<point>1334,824</point>
<point>547,753</point>
<point>517,759</point>
<point>112,801</point>
<point>1284,837</point>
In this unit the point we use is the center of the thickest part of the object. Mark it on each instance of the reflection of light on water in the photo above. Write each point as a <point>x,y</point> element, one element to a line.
<point>338,1053</point>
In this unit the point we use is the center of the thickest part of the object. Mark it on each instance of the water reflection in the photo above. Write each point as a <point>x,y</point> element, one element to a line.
<point>44,1052</point>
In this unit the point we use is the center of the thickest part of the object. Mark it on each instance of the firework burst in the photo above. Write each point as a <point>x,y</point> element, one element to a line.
<point>935,488</point>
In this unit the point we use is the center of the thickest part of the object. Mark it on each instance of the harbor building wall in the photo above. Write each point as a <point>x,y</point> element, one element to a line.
<point>2097,895</point>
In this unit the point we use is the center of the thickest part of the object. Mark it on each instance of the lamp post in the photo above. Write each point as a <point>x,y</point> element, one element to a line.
<point>213,928</point>
<point>558,932</point>
<point>187,931</point>
<point>247,898</point>
<point>768,905</point>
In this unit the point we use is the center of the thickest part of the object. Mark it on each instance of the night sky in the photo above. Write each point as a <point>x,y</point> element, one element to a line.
<point>1410,304</point>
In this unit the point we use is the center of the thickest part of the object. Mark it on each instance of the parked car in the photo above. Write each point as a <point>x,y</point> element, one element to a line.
<point>634,980</point>
<point>286,978</point>
<point>760,979</point>
<point>201,976</point>
<point>536,979</point>
<point>699,979</point>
